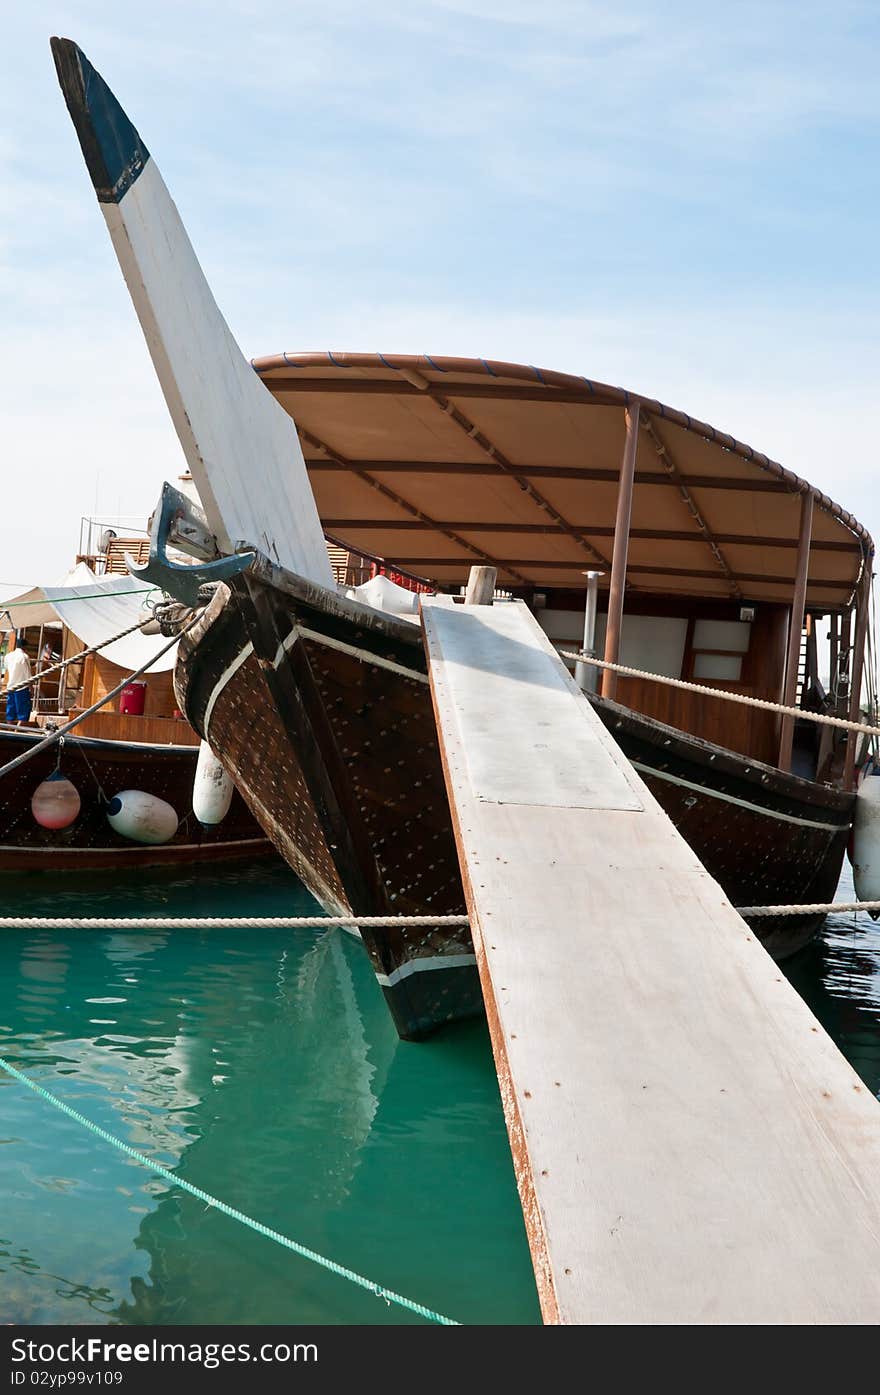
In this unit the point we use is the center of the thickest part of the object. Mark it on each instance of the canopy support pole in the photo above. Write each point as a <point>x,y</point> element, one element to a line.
<point>855,675</point>
<point>833,624</point>
<point>795,628</point>
<point>621,547</point>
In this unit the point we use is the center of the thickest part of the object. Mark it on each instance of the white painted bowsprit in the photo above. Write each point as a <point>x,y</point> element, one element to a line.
<point>241,446</point>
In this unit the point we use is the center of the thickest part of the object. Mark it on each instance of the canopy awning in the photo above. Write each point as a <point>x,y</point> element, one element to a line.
<point>94,608</point>
<point>438,463</point>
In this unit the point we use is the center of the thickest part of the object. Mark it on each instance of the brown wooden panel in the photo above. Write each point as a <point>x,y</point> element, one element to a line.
<point>745,729</point>
<point>108,725</point>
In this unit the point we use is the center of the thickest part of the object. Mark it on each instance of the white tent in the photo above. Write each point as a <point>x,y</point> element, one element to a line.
<point>93,607</point>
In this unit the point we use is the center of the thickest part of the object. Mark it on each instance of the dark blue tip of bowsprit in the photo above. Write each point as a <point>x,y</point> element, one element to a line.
<point>114,152</point>
<point>114,805</point>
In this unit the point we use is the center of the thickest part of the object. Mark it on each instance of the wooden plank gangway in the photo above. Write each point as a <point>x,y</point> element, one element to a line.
<point>689,1145</point>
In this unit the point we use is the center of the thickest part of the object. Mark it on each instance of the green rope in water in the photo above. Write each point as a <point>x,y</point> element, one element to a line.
<point>288,1244</point>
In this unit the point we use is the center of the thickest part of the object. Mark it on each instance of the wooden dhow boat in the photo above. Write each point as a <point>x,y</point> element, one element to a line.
<point>319,704</point>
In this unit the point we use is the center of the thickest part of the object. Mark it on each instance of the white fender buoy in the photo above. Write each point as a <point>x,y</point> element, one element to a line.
<point>142,817</point>
<point>865,855</point>
<point>55,803</point>
<point>212,789</point>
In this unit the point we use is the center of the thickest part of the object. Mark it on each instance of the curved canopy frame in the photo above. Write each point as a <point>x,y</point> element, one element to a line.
<point>440,463</point>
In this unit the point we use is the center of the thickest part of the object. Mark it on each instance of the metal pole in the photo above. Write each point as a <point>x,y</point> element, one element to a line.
<point>795,628</point>
<point>585,675</point>
<point>855,685</point>
<point>37,670</point>
<point>833,622</point>
<point>621,547</point>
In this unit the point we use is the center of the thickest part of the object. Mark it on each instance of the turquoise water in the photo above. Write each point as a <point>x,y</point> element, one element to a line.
<point>263,1068</point>
<point>838,976</point>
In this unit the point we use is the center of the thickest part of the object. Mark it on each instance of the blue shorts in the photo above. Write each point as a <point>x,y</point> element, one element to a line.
<point>18,705</point>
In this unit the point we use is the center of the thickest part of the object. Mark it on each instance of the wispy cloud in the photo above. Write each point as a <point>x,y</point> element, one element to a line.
<point>673,196</point>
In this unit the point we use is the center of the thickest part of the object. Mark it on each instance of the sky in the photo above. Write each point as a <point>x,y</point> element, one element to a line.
<point>675,197</point>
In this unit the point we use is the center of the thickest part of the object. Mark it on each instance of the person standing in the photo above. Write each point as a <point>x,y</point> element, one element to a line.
<point>18,670</point>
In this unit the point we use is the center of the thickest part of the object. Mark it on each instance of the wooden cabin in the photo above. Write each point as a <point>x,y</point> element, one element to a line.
<point>48,632</point>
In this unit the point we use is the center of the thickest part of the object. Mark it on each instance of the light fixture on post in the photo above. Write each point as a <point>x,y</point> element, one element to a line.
<point>586,675</point>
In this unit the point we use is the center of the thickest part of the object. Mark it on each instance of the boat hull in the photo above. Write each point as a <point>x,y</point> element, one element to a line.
<point>321,710</point>
<point>95,765</point>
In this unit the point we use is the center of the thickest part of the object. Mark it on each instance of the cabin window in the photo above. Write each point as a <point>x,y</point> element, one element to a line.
<point>731,636</point>
<point>655,643</point>
<point>724,666</point>
<point>718,648</point>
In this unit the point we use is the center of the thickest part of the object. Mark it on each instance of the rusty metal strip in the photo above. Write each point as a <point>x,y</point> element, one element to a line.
<point>674,473</point>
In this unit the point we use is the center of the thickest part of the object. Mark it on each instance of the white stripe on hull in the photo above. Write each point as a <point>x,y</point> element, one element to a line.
<point>298,632</point>
<point>363,655</point>
<point>228,673</point>
<point>419,966</point>
<point>732,799</point>
<point>287,643</point>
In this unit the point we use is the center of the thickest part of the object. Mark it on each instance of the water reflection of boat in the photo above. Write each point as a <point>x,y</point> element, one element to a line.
<point>265,1069</point>
<point>838,976</point>
<point>280,1126</point>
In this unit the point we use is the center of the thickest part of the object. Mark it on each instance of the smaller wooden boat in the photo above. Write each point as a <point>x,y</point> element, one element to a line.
<point>140,742</point>
<point>100,769</point>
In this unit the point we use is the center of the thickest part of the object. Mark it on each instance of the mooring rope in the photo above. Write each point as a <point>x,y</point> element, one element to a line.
<point>75,658</point>
<point>284,1240</point>
<point>816,908</point>
<point>741,698</point>
<point>102,702</point>
<point>343,922</point>
<point>320,922</point>
<point>302,922</point>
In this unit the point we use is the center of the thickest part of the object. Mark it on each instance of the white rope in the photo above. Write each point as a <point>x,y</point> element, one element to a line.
<point>302,922</point>
<point>75,658</point>
<point>741,698</point>
<point>817,908</point>
<point>108,697</point>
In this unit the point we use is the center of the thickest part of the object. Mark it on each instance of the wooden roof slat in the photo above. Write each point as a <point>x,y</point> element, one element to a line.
<point>651,534</point>
<point>556,564</point>
<point>558,472</point>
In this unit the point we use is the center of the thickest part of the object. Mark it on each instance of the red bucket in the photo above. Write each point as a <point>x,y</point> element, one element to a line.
<point>133,698</point>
